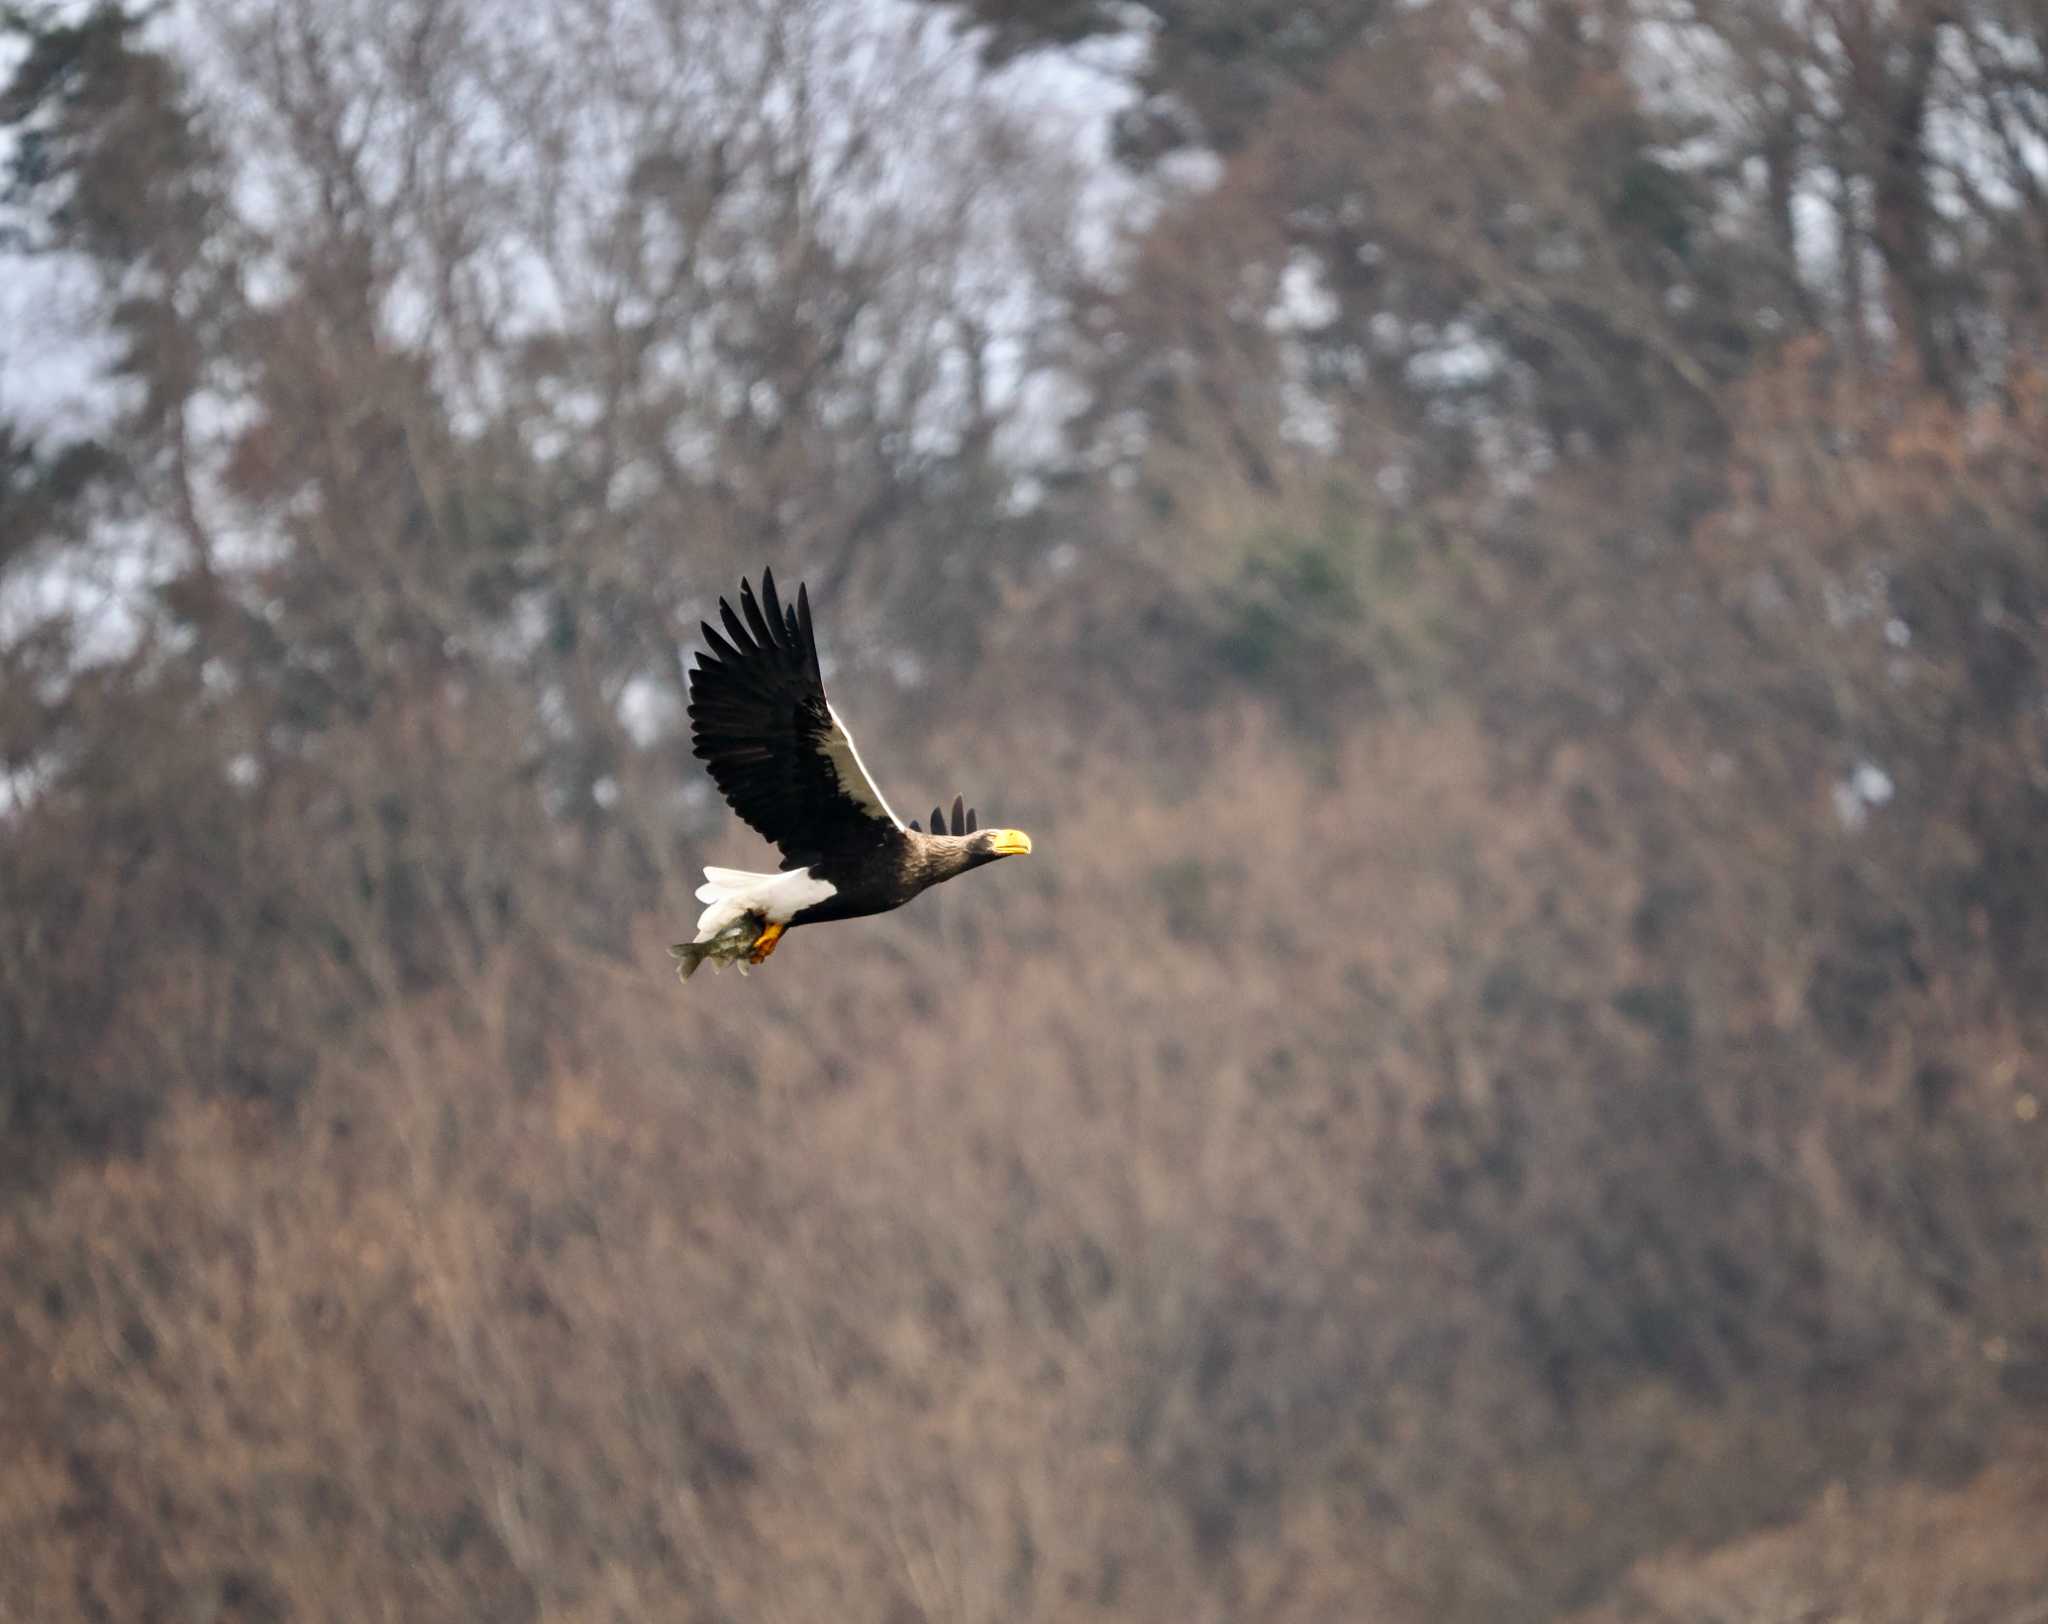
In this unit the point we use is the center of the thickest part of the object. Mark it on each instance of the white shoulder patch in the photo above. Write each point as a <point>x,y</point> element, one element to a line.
<point>852,774</point>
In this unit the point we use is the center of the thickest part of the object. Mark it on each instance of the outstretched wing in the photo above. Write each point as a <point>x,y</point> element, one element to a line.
<point>965,819</point>
<point>760,721</point>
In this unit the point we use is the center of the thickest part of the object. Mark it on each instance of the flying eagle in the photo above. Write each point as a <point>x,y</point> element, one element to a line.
<point>780,755</point>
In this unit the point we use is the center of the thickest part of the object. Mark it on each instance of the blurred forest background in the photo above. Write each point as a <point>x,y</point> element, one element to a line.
<point>1496,545</point>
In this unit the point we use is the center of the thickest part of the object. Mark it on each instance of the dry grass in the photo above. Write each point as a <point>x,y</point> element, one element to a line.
<point>1906,1553</point>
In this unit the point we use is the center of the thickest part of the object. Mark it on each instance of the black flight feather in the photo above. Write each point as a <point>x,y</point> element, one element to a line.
<point>760,722</point>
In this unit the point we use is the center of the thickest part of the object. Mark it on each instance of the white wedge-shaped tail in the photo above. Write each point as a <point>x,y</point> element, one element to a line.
<point>739,906</point>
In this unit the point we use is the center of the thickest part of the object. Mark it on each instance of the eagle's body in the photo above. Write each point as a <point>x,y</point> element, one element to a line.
<point>777,751</point>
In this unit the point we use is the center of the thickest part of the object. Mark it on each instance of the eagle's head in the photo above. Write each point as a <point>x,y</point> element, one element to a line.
<point>990,844</point>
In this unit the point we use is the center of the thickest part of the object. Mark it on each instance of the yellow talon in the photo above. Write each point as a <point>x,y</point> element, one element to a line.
<point>764,944</point>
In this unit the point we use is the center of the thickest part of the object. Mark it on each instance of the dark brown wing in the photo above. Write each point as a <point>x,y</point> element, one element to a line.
<point>965,819</point>
<point>760,721</point>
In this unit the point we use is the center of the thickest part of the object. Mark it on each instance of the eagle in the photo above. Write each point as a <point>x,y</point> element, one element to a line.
<point>760,722</point>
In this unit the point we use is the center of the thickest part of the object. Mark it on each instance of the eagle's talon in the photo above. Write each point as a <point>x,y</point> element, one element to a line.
<point>764,944</point>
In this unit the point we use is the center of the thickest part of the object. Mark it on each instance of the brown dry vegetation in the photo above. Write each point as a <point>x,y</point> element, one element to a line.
<point>1905,1552</point>
<point>1348,1196</point>
<point>1470,1113</point>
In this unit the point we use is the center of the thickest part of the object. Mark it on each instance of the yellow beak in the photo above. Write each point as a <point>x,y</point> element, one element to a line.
<point>1011,842</point>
